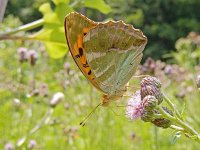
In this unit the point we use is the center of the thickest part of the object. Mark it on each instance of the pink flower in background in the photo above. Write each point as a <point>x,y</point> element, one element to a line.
<point>134,107</point>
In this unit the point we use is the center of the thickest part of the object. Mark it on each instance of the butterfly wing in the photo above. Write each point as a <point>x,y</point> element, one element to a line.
<point>114,51</point>
<point>76,26</point>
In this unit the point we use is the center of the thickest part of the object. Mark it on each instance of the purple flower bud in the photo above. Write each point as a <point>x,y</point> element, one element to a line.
<point>153,91</point>
<point>67,67</point>
<point>151,81</point>
<point>32,144</point>
<point>168,69</point>
<point>56,99</point>
<point>22,52</point>
<point>151,86</point>
<point>162,122</point>
<point>32,55</point>
<point>150,65</point>
<point>147,116</point>
<point>149,102</point>
<point>9,146</point>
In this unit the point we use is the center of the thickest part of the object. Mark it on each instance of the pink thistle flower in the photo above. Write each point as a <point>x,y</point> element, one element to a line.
<point>135,108</point>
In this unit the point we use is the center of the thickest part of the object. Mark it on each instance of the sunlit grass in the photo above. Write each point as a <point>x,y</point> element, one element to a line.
<point>104,131</point>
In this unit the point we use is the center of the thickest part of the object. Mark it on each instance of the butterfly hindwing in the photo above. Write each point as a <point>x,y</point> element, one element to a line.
<point>114,51</point>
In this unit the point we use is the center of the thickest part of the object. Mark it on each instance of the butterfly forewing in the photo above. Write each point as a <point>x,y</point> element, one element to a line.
<point>76,27</point>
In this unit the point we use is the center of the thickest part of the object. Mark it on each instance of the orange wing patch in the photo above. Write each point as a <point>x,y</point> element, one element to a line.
<point>76,27</point>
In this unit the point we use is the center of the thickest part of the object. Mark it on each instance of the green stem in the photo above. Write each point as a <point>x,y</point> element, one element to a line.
<point>43,121</point>
<point>25,27</point>
<point>174,127</point>
<point>173,107</point>
<point>179,122</point>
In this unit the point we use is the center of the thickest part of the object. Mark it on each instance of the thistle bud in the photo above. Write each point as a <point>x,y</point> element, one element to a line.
<point>9,146</point>
<point>32,144</point>
<point>151,81</point>
<point>22,52</point>
<point>162,122</point>
<point>149,102</point>
<point>147,116</point>
<point>67,67</point>
<point>153,91</point>
<point>32,56</point>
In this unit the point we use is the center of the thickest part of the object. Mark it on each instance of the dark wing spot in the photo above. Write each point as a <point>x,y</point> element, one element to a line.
<point>89,73</point>
<point>84,33</point>
<point>85,65</point>
<point>80,51</point>
<point>77,56</point>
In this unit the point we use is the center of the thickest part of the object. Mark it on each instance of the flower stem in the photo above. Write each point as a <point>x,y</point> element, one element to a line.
<point>25,27</point>
<point>187,128</point>
<point>173,107</point>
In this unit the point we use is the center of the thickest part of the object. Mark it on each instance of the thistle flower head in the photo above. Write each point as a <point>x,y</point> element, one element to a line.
<point>151,81</point>
<point>22,52</point>
<point>147,116</point>
<point>162,122</point>
<point>32,56</point>
<point>149,102</point>
<point>151,86</point>
<point>32,144</point>
<point>9,146</point>
<point>134,108</point>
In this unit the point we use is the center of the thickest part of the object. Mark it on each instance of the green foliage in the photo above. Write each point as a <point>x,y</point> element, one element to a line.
<point>163,22</point>
<point>102,6</point>
<point>61,130</point>
<point>26,11</point>
<point>187,52</point>
<point>52,33</point>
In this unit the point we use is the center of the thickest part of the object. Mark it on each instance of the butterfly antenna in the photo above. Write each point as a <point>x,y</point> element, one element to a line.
<point>82,123</point>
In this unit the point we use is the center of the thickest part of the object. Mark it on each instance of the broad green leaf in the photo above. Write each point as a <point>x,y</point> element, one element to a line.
<point>53,34</point>
<point>56,2</point>
<point>45,8</point>
<point>99,5</point>
<point>56,50</point>
<point>62,10</point>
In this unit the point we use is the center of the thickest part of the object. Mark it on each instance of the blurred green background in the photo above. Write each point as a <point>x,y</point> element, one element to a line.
<point>29,121</point>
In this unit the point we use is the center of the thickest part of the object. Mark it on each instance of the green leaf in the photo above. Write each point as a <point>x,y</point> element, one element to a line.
<point>45,8</point>
<point>54,40</point>
<point>99,5</point>
<point>56,2</point>
<point>53,34</point>
<point>62,10</point>
<point>56,50</point>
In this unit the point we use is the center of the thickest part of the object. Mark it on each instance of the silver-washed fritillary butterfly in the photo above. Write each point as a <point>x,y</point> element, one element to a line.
<point>108,54</point>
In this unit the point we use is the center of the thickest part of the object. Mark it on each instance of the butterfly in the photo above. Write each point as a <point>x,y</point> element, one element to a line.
<point>108,54</point>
